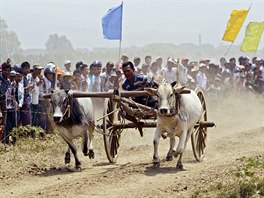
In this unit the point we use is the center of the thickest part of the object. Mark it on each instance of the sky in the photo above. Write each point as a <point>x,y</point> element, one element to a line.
<point>144,22</point>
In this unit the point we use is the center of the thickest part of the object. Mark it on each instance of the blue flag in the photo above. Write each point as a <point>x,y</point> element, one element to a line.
<point>112,23</point>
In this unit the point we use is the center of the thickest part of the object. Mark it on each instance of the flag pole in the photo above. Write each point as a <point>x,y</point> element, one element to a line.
<point>228,49</point>
<point>119,50</point>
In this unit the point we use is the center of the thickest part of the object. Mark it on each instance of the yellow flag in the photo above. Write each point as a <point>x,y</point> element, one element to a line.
<point>253,35</point>
<point>234,24</point>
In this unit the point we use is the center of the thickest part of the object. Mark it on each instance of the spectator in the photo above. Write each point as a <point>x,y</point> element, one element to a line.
<point>11,120</point>
<point>201,78</point>
<point>159,65</point>
<point>183,71</point>
<point>124,58</point>
<point>37,80</point>
<point>4,85</point>
<point>19,94</point>
<point>25,113</point>
<point>137,64</point>
<point>67,82</point>
<point>78,65</point>
<point>112,82</point>
<point>148,60</point>
<point>85,78</point>
<point>104,76</point>
<point>145,69</point>
<point>156,77</point>
<point>214,89</point>
<point>77,79</point>
<point>67,65</point>
<point>170,73</point>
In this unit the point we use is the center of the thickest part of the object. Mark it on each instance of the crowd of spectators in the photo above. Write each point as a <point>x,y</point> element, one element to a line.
<point>22,86</point>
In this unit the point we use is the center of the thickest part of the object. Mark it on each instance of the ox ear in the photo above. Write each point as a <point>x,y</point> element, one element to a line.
<point>151,91</point>
<point>173,83</point>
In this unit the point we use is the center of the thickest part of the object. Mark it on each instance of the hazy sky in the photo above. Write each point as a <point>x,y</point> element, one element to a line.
<point>144,22</point>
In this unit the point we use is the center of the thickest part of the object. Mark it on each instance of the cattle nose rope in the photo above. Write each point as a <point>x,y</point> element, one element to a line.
<point>68,110</point>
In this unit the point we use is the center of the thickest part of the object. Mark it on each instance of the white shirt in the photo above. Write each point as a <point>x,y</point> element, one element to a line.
<point>20,90</point>
<point>201,80</point>
<point>170,75</point>
<point>35,91</point>
<point>183,75</point>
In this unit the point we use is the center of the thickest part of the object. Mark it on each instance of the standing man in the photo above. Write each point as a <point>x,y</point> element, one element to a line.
<point>159,65</point>
<point>137,66</point>
<point>148,60</point>
<point>11,108</point>
<point>106,75</point>
<point>183,71</point>
<point>67,65</point>
<point>201,78</point>
<point>4,85</point>
<point>25,113</point>
<point>37,81</point>
<point>170,74</point>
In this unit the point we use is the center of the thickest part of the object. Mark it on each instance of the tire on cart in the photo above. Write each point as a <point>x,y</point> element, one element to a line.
<point>111,133</point>
<point>199,135</point>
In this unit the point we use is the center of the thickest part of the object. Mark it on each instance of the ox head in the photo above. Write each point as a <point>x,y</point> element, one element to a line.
<point>166,94</point>
<point>60,102</point>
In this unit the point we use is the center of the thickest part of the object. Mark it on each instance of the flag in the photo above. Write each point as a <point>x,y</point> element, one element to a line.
<point>112,23</point>
<point>253,35</point>
<point>234,24</point>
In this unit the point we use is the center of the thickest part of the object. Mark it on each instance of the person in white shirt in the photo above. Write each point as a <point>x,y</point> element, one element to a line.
<point>183,71</point>
<point>201,78</point>
<point>170,73</point>
<point>37,81</point>
<point>106,75</point>
<point>85,81</point>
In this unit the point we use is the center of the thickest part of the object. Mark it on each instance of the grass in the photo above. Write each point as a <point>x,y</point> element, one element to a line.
<point>246,180</point>
<point>35,155</point>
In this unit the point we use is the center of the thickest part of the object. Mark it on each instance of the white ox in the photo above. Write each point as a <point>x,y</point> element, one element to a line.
<point>173,121</point>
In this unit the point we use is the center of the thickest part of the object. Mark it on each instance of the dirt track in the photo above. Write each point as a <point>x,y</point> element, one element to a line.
<point>239,132</point>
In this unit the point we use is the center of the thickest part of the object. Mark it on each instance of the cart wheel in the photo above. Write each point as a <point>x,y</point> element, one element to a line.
<point>111,134</point>
<point>199,136</point>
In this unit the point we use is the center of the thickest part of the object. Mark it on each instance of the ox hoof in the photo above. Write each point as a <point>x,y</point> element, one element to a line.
<point>91,154</point>
<point>179,166</point>
<point>169,158</point>
<point>175,153</point>
<point>78,168</point>
<point>156,164</point>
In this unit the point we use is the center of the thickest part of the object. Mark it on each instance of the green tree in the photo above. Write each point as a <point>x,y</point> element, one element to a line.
<point>9,43</point>
<point>58,45</point>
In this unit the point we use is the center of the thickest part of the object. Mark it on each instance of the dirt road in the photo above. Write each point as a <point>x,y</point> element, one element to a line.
<point>239,132</point>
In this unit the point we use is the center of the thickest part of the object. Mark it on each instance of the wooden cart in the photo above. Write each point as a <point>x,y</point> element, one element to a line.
<point>114,121</point>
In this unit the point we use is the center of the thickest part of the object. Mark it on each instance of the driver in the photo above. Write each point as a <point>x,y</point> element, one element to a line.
<point>136,82</point>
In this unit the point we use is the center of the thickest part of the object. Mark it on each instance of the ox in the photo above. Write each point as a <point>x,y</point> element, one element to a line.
<point>177,115</point>
<point>74,118</point>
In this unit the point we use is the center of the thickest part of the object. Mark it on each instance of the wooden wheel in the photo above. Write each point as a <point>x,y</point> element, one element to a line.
<point>111,133</point>
<point>199,136</point>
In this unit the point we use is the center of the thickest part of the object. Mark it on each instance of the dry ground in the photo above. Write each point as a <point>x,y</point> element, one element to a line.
<point>239,132</point>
